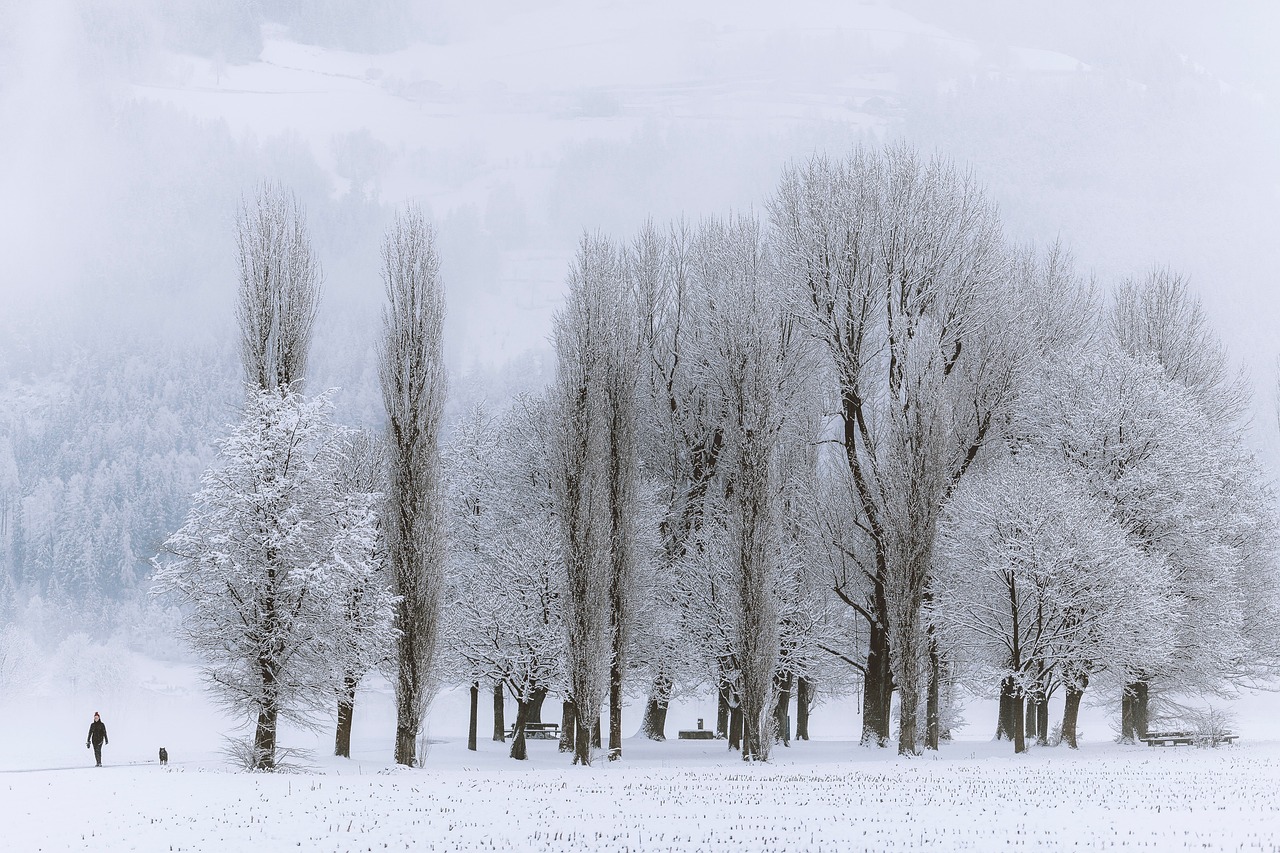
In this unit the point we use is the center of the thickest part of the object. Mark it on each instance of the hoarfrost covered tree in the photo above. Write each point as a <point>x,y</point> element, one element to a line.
<point>681,444</point>
<point>411,371</point>
<point>367,633</point>
<point>1039,586</point>
<point>899,264</point>
<point>594,467</point>
<point>505,621</point>
<point>751,363</point>
<point>279,289</point>
<point>266,560</point>
<point>1184,492</point>
<point>1158,318</point>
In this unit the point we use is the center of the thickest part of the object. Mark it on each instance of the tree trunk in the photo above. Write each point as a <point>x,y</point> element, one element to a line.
<point>519,748</point>
<point>534,712</point>
<point>499,714</point>
<point>264,740</point>
<point>933,702</point>
<point>752,737</point>
<point>474,720</point>
<point>1019,723</point>
<point>735,727</point>
<point>1005,724</point>
<point>1042,722</point>
<point>615,699</point>
<point>406,746</point>
<point>1071,713</point>
<point>568,726</point>
<point>877,690</point>
<point>1134,714</point>
<point>582,739</point>
<point>597,741</point>
<point>722,712</point>
<point>804,701</point>
<point>346,711</point>
<point>654,725</point>
<point>1032,717</point>
<point>781,720</point>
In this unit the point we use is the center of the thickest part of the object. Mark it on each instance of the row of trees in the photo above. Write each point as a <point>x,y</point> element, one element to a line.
<point>862,442</point>
<point>312,554</point>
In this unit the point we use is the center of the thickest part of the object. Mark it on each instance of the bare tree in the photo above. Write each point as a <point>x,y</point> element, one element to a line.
<point>596,470</point>
<point>367,635</point>
<point>279,289</point>
<point>411,370</point>
<point>897,261</point>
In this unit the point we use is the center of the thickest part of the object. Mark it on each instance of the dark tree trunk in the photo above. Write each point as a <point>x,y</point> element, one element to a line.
<point>264,740</point>
<point>1134,710</point>
<point>1019,723</point>
<point>1032,717</point>
<point>654,725</point>
<point>735,727</point>
<point>752,737</point>
<point>1005,724</point>
<point>499,714</point>
<point>804,702</point>
<point>877,691</point>
<point>1042,722</point>
<point>406,746</point>
<point>1071,713</point>
<point>568,726</point>
<point>519,748</point>
<point>722,712</point>
<point>582,739</point>
<point>596,739</point>
<point>346,713</point>
<point>615,700</point>
<point>474,722</point>
<point>933,701</point>
<point>534,713</point>
<point>781,720</point>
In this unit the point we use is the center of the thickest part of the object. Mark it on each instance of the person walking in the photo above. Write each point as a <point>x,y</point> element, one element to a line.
<point>97,737</point>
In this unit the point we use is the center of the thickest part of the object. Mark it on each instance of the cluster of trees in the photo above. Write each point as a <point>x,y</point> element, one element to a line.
<point>865,442</point>
<point>311,553</point>
<point>861,441</point>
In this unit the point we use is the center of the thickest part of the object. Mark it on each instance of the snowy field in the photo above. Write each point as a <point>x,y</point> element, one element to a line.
<point>826,794</point>
<point>674,796</point>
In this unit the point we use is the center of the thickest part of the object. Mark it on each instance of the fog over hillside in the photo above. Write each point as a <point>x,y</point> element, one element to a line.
<point>1138,136</point>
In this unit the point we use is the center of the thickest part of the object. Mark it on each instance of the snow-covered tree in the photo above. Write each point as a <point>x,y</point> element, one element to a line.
<point>279,289</point>
<point>751,363</point>
<point>899,264</point>
<point>265,562</point>
<point>367,635</point>
<point>596,471</point>
<point>411,371</point>
<point>505,614</point>
<point>1037,585</point>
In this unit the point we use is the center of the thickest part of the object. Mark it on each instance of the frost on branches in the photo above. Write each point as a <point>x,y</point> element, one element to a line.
<point>266,563</point>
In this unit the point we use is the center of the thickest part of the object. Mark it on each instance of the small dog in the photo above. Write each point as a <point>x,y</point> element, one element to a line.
<point>164,756</point>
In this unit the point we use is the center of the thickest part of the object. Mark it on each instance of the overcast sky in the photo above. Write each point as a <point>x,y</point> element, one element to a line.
<point>1138,133</point>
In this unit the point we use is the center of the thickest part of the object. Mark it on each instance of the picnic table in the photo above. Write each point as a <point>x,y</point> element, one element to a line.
<point>538,731</point>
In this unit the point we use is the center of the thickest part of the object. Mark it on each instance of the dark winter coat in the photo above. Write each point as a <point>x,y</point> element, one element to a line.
<point>98,733</point>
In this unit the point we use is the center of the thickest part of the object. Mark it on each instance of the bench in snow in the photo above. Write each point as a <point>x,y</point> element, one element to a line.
<point>538,731</point>
<point>1186,738</point>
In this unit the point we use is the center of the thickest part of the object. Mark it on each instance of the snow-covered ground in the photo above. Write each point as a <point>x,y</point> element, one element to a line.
<point>825,794</point>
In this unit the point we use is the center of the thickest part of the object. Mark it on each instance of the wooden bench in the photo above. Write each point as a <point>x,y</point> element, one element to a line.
<point>537,731</point>
<point>1186,738</point>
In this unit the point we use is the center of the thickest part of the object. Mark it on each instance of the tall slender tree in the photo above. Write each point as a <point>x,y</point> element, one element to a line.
<point>411,370</point>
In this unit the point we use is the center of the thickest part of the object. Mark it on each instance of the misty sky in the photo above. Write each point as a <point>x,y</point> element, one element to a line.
<point>1138,133</point>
